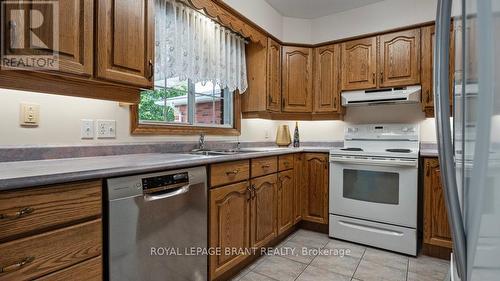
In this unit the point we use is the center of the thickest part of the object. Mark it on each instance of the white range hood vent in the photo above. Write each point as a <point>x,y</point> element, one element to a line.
<point>410,94</point>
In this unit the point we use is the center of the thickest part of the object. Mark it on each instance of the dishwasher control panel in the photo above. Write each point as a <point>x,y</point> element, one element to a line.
<point>164,182</point>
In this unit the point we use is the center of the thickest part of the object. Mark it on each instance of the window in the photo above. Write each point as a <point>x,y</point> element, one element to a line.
<point>183,102</point>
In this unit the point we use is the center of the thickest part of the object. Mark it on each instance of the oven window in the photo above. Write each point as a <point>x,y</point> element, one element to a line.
<point>371,186</point>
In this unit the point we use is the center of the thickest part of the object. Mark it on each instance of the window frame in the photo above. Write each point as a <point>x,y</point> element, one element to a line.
<point>138,128</point>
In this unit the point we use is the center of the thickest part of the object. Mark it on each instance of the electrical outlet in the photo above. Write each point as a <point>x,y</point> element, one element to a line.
<point>30,114</point>
<point>266,134</point>
<point>87,129</point>
<point>106,129</point>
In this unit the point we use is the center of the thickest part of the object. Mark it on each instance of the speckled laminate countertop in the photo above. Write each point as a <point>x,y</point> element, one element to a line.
<point>23,174</point>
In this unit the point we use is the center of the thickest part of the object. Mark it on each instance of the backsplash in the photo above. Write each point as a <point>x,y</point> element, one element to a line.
<point>42,152</point>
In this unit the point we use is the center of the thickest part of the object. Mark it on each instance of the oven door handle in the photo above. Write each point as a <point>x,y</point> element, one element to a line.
<point>376,162</point>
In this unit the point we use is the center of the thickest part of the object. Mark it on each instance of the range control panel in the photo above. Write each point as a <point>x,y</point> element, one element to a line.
<point>382,131</point>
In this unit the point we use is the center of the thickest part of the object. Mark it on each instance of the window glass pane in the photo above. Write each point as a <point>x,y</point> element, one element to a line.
<point>371,186</point>
<point>208,110</point>
<point>167,103</point>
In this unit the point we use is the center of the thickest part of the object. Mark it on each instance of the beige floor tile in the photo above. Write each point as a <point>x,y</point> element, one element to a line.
<point>386,258</point>
<point>343,265</point>
<point>412,276</point>
<point>310,239</point>
<point>296,252</point>
<point>369,271</point>
<point>355,250</point>
<point>312,273</point>
<point>279,268</point>
<point>429,266</point>
<point>254,276</point>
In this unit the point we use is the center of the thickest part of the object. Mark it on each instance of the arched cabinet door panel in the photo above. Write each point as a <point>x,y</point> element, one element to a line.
<point>359,64</point>
<point>297,79</point>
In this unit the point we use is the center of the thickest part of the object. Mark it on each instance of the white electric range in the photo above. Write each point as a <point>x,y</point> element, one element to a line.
<point>374,186</point>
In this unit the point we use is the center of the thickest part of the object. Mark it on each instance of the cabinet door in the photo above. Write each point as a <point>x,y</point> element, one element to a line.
<point>273,75</point>
<point>427,82</point>
<point>316,192</point>
<point>125,41</point>
<point>75,34</point>
<point>326,75</point>
<point>229,225</point>
<point>264,208</point>
<point>286,191</point>
<point>297,79</point>
<point>436,226</point>
<point>298,169</point>
<point>359,64</point>
<point>399,61</point>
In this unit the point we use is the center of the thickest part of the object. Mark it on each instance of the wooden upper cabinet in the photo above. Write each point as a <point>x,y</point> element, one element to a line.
<point>297,79</point>
<point>126,41</point>
<point>274,75</point>
<point>399,61</point>
<point>326,78</point>
<point>286,189</point>
<point>74,44</point>
<point>316,190</point>
<point>229,225</point>
<point>359,64</point>
<point>76,33</point>
<point>427,68</point>
<point>436,226</point>
<point>263,210</point>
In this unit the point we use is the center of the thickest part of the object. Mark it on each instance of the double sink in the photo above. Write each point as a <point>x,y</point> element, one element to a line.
<point>220,152</point>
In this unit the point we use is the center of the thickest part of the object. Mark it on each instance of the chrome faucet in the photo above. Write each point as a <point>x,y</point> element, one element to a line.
<point>201,142</point>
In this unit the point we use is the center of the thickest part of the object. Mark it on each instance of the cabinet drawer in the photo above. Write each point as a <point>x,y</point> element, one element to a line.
<point>51,251</point>
<point>285,162</point>
<point>229,172</point>
<point>264,166</point>
<point>27,211</point>
<point>90,270</point>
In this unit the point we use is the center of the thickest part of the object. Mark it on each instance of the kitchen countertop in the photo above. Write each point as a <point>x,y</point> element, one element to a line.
<point>429,150</point>
<point>23,174</point>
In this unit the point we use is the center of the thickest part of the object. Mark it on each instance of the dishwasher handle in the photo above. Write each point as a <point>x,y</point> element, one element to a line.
<point>175,192</point>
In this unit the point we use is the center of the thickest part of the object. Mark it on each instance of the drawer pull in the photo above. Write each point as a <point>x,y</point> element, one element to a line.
<point>233,172</point>
<point>266,166</point>
<point>21,213</point>
<point>16,266</point>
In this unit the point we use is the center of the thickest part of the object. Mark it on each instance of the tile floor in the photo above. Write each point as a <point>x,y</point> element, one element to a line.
<point>359,264</point>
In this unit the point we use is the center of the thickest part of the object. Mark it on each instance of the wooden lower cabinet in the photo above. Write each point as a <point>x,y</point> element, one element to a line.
<point>229,225</point>
<point>298,166</point>
<point>52,232</point>
<point>263,210</point>
<point>286,189</point>
<point>437,235</point>
<point>315,195</point>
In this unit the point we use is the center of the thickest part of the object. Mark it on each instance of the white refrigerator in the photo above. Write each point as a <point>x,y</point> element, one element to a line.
<point>469,143</point>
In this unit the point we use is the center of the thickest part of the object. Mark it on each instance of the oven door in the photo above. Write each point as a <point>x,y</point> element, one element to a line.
<point>379,190</point>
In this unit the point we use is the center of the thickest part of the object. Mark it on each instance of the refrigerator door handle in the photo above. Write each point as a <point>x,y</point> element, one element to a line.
<point>446,158</point>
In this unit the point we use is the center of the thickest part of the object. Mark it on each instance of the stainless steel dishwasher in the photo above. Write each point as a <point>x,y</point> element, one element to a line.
<point>155,221</point>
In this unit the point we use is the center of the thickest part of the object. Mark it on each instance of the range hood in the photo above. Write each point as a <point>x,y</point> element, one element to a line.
<point>410,94</point>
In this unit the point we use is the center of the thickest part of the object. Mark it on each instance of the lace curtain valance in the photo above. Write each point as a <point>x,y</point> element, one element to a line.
<point>190,45</point>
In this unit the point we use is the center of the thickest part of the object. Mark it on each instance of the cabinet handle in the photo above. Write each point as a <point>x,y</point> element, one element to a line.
<point>428,93</point>
<point>151,70</point>
<point>381,77</point>
<point>253,190</point>
<point>428,168</point>
<point>248,193</point>
<point>270,99</point>
<point>373,77</point>
<point>266,166</point>
<point>21,213</point>
<point>283,103</point>
<point>16,266</point>
<point>233,172</point>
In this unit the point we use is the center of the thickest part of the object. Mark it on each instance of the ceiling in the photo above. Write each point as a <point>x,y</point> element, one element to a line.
<point>310,9</point>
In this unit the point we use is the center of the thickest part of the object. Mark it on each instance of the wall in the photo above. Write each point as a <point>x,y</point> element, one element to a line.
<point>376,17</point>
<point>261,13</point>
<point>297,30</point>
<point>60,120</point>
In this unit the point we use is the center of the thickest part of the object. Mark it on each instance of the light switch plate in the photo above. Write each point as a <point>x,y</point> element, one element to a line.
<point>87,129</point>
<point>106,129</point>
<point>29,114</point>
